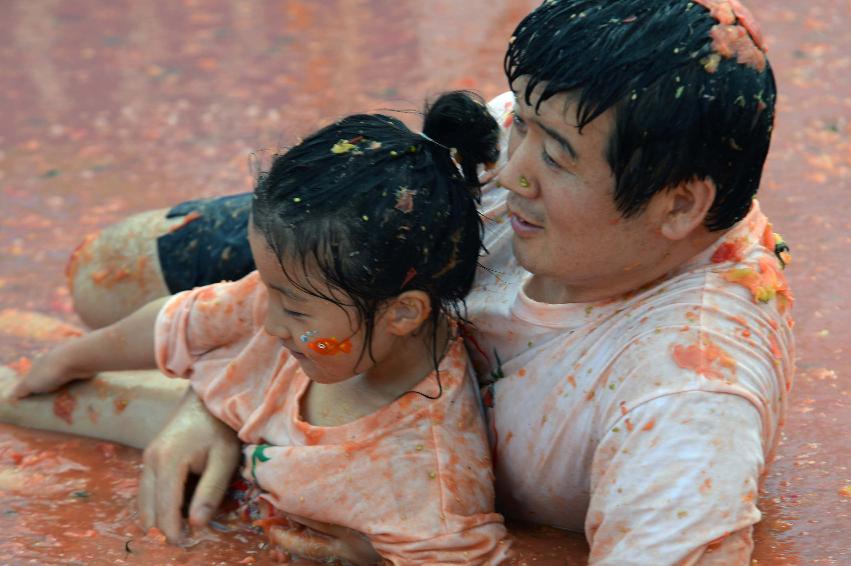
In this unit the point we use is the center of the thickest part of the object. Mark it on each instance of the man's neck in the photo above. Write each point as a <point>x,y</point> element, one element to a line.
<point>551,289</point>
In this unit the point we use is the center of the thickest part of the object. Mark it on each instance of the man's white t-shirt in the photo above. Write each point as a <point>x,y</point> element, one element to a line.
<point>646,420</point>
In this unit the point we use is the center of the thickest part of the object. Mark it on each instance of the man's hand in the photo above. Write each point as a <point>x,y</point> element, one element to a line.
<point>192,442</point>
<point>324,542</point>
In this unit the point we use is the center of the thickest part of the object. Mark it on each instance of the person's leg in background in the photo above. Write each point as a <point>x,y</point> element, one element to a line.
<point>159,252</point>
<point>116,271</point>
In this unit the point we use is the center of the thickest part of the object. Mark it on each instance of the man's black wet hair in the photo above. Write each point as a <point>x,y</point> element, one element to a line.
<point>683,108</point>
<point>378,209</point>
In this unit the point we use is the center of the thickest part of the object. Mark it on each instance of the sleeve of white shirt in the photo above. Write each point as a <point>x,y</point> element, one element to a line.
<point>502,109</point>
<point>675,481</point>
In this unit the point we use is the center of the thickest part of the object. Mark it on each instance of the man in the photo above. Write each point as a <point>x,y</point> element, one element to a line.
<point>632,324</point>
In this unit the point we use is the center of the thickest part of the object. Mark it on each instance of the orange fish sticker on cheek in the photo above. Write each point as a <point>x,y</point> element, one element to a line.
<point>330,346</point>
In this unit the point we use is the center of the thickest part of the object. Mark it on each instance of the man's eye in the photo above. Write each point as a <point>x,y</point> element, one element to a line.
<point>549,161</point>
<point>518,122</point>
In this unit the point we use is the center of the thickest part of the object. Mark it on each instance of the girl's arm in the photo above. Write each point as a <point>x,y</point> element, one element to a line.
<point>126,344</point>
<point>129,407</point>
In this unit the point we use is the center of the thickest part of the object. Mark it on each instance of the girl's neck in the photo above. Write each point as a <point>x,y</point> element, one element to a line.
<point>340,403</point>
<point>409,363</point>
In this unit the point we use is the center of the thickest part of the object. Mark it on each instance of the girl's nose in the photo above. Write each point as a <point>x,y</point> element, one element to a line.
<point>274,326</point>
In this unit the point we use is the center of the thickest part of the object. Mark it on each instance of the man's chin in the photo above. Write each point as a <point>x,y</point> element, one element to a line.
<point>525,256</point>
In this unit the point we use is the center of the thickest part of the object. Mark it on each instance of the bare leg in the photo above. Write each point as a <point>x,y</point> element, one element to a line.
<point>114,272</point>
<point>128,407</point>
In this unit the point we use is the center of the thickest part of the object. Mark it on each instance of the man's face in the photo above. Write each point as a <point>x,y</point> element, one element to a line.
<point>566,226</point>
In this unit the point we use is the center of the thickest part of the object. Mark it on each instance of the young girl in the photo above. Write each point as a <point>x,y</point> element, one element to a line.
<point>338,360</point>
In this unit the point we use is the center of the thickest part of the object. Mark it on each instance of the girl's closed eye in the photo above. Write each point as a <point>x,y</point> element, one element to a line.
<point>283,300</point>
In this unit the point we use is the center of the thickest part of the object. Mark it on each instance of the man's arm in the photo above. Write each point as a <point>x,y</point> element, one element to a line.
<point>675,481</point>
<point>192,442</point>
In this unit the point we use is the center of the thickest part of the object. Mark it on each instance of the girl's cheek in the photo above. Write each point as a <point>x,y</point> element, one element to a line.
<point>305,337</point>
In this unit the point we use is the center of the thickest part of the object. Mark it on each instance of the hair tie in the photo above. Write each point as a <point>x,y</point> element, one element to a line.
<point>453,152</point>
<point>425,136</point>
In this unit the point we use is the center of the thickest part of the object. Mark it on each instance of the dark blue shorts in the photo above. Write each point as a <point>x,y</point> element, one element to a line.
<point>211,246</point>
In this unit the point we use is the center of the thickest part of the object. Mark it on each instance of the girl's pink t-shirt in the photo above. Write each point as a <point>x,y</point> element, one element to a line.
<point>415,477</point>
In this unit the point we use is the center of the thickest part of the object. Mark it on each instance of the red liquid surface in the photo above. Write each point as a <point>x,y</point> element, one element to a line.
<point>110,108</point>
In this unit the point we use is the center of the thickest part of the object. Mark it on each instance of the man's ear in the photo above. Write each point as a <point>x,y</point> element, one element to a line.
<point>406,313</point>
<point>684,208</point>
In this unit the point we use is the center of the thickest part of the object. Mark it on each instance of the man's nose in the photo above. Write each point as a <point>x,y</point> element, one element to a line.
<point>516,175</point>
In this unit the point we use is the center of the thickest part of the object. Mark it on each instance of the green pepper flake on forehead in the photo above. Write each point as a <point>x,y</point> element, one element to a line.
<point>736,35</point>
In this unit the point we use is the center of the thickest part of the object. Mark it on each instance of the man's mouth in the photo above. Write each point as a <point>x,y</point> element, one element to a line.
<point>522,227</point>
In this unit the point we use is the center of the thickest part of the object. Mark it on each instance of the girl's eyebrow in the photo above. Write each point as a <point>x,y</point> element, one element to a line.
<point>287,293</point>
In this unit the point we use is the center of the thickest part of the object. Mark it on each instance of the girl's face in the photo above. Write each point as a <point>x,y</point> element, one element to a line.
<point>326,338</point>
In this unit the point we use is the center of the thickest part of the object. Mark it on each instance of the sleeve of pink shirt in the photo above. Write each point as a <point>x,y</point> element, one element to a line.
<point>206,329</point>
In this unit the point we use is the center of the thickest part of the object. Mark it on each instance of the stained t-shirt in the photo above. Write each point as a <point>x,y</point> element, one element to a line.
<point>648,419</point>
<point>415,477</point>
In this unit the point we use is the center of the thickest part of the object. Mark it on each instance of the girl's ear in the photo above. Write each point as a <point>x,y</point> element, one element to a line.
<point>406,313</point>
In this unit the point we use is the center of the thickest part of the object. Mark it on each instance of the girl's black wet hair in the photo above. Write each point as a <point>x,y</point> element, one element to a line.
<point>378,209</point>
<point>681,111</point>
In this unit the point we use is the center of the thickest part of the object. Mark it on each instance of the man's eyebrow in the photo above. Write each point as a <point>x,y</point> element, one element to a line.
<point>287,293</point>
<point>562,141</point>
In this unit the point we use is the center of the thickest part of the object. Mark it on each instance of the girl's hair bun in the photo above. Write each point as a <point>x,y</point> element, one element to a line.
<point>461,120</point>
